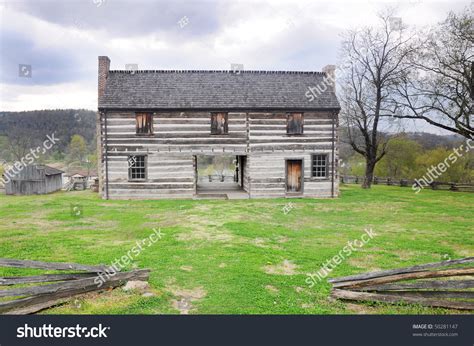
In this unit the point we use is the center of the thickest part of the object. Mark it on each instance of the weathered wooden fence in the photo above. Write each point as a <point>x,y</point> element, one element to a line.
<point>386,286</point>
<point>435,185</point>
<point>60,287</point>
<point>217,178</point>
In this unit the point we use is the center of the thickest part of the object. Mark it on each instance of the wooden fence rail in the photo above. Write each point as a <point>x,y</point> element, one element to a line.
<point>385,286</point>
<point>59,287</point>
<point>435,185</point>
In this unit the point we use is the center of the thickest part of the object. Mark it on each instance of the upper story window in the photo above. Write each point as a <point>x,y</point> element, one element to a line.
<point>144,123</point>
<point>219,123</point>
<point>294,123</point>
<point>137,167</point>
<point>319,166</point>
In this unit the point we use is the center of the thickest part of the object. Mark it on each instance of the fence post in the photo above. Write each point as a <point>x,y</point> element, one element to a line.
<point>389,181</point>
<point>453,187</point>
<point>357,180</point>
<point>376,180</point>
<point>403,182</point>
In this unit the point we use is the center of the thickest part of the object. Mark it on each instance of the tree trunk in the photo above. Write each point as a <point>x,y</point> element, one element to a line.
<point>369,174</point>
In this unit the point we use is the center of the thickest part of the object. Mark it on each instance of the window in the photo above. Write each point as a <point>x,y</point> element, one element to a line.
<point>137,167</point>
<point>144,123</point>
<point>219,123</point>
<point>319,167</point>
<point>294,123</point>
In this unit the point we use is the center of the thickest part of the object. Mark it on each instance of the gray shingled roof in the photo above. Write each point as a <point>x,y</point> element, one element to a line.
<point>215,90</point>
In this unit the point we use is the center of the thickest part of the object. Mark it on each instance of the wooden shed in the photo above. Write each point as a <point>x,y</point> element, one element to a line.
<point>34,180</point>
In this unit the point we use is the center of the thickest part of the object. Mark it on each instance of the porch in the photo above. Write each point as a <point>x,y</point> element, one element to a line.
<point>220,190</point>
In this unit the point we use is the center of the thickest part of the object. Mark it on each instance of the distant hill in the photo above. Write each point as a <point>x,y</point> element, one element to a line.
<point>427,140</point>
<point>63,122</point>
<point>431,141</point>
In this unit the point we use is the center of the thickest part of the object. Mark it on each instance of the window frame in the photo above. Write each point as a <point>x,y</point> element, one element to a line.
<point>288,114</point>
<point>226,125</point>
<point>145,168</point>
<point>313,166</point>
<point>152,130</point>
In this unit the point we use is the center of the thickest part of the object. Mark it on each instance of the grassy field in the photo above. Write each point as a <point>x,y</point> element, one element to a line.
<point>239,256</point>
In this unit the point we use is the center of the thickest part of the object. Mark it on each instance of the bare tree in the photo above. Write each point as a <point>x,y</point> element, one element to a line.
<point>439,86</point>
<point>374,62</point>
<point>20,141</point>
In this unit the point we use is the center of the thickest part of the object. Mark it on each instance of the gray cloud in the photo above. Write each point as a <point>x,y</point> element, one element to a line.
<point>49,66</point>
<point>127,18</point>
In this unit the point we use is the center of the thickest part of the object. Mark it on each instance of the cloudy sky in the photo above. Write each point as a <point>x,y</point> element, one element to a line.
<point>61,39</point>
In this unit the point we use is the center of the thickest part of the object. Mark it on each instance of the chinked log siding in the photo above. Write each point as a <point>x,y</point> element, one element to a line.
<point>179,136</point>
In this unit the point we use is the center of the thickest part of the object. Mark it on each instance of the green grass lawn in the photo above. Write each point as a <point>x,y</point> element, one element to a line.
<point>239,256</point>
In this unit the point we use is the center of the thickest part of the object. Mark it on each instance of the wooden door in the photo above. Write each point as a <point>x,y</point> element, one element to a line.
<point>294,170</point>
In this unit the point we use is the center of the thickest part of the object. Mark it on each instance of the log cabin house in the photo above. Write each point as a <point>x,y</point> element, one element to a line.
<point>154,124</point>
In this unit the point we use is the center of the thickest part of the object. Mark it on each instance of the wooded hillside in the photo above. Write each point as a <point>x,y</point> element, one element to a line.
<point>38,124</point>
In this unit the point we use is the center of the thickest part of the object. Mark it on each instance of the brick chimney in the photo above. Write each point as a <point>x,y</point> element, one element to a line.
<point>330,71</point>
<point>104,66</point>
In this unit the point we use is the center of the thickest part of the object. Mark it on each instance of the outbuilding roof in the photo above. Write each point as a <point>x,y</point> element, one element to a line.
<point>49,170</point>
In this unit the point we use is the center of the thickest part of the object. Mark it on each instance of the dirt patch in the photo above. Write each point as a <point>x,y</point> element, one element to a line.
<point>37,218</point>
<point>359,309</point>
<point>271,289</point>
<point>185,297</point>
<point>407,254</point>
<point>222,265</point>
<point>284,268</point>
<point>94,225</point>
<point>201,230</point>
<point>260,242</point>
<point>186,268</point>
<point>299,289</point>
<point>205,235</point>
<point>459,249</point>
<point>203,207</point>
<point>365,261</point>
<point>282,239</point>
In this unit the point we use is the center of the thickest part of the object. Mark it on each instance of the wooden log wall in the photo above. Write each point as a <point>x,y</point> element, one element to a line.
<point>179,136</point>
<point>177,132</point>
<point>270,146</point>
